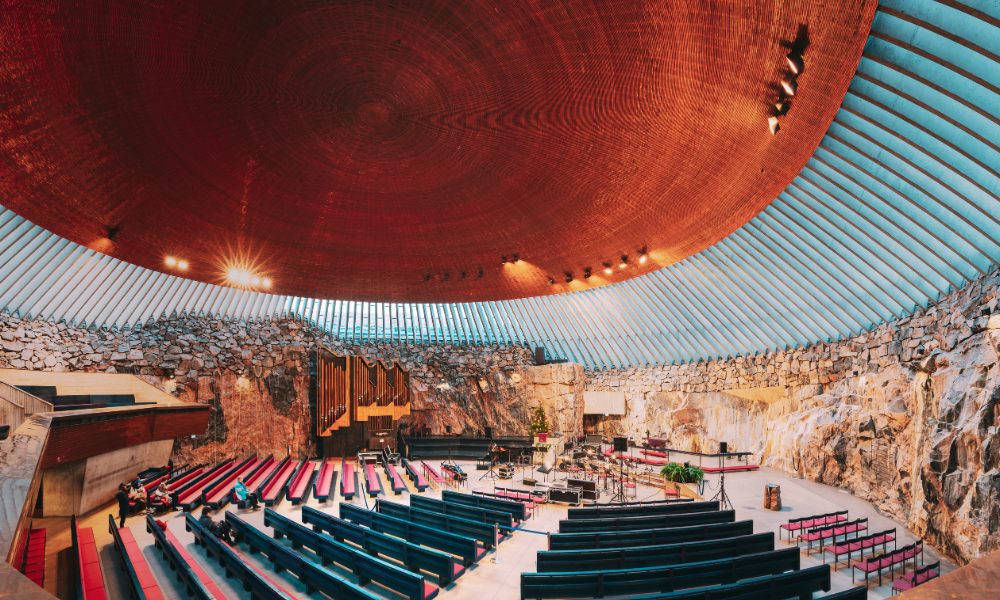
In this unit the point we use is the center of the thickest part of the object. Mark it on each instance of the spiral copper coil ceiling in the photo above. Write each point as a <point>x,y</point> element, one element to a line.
<point>395,151</point>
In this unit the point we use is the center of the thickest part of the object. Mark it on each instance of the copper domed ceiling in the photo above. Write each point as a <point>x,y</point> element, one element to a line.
<point>387,151</point>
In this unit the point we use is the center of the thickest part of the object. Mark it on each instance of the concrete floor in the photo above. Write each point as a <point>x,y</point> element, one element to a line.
<point>485,580</point>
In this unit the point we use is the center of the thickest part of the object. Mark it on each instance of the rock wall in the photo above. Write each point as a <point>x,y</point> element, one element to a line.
<point>258,378</point>
<point>929,382</point>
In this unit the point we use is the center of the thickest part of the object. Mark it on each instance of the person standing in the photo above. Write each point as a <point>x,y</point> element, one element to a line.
<point>123,504</point>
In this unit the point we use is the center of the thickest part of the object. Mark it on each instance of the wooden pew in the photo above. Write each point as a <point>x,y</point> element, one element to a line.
<point>641,510</point>
<point>648,537</point>
<point>418,480</point>
<point>197,583</point>
<point>256,479</point>
<point>561,561</point>
<point>298,488</point>
<point>325,482</point>
<point>141,582</point>
<point>218,494</point>
<point>598,584</point>
<point>277,484</point>
<point>366,567</point>
<point>413,556</point>
<point>517,510</point>
<point>485,533</point>
<point>395,481</point>
<point>348,479</point>
<point>462,511</point>
<point>466,548</point>
<point>654,522</point>
<point>189,496</point>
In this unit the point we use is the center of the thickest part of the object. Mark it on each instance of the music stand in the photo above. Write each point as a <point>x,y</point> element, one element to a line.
<point>721,495</point>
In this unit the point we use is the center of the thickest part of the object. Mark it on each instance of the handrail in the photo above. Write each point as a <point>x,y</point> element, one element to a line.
<point>31,404</point>
<point>11,413</point>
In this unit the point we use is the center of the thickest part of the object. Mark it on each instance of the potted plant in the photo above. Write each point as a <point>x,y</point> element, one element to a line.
<point>682,479</point>
<point>645,442</point>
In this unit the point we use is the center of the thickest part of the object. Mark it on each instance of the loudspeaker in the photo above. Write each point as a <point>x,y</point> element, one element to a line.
<point>539,356</point>
<point>621,444</point>
<point>488,432</point>
<point>723,448</point>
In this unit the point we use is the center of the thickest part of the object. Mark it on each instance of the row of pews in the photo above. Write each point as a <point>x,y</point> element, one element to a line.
<point>670,550</point>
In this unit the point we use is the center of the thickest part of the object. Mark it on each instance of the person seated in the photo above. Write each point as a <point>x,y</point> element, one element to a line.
<point>219,529</point>
<point>161,496</point>
<point>244,495</point>
<point>138,496</point>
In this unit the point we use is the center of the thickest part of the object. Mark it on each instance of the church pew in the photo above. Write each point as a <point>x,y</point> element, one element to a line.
<point>216,496</point>
<point>640,510</point>
<point>418,480</point>
<point>485,533</point>
<point>366,567</point>
<point>348,479</point>
<point>372,484</point>
<point>648,537</point>
<point>188,497</point>
<point>395,481</point>
<point>373,542</point>
<point>255,479</point>
<point>462,511</point>
<point>298,488</point>
<point>272,493</point>
<point>559,561</point>
<point>517,510</point>
<point>197,583</point>
<point>598,584</point>
<point>325,481</point>
<point>141,582</point>
<point>466,548</point>
<point>654,522</point>
<point>88,563</point>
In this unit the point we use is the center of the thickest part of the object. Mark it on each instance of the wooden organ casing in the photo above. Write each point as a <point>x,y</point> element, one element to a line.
<point>349,390</point>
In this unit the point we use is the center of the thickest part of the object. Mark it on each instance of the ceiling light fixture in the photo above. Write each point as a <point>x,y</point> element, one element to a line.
<point>569,277</point>
<point>552,281</point>
<point>586,273</point>
<point>795,62</point>
<point>171,261</point>
<point>789,85</point>
<point>266,283</point>
<point>623,263</point>
<point>182,264</point>
<point>772,123</point>
<point>782,107</point>
<point>643,255</point>
<point>516,258</point>
<point>607,269</point>
<point>503,260</point>
<point>255,280</point>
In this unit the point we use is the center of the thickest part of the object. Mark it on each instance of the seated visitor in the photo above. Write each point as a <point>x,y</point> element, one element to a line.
<point>161,496</point>
<point>245,495</point>
<point>219,529</point>
<point>138,495</point>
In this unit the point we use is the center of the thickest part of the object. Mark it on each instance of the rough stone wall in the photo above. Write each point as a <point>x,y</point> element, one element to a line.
<point>257,378</point>
<point>930,383</point>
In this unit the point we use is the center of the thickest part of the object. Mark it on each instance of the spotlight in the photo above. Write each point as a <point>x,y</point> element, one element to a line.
<point>782,107</point>
<point>503,260</point>
<point>788,84</point>
<point>552,281</point>
<point>772,123</point>
<point>643,255</point>
<point>586,273</point>
<point>182,264</point>
<point>569,277</point>
<point>624,262</point>
<point>113,234</point>
<point>171,261</point>
<point>516,258</point>
<point>266,283</point>
<point>480,273</point>
<point>607,268</point>
<point>256,280</point>
<point>244,277</point>
<point>462,275</point>
<point>795,62</point>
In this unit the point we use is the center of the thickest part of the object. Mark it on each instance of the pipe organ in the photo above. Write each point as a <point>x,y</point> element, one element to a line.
<point>349,390</point>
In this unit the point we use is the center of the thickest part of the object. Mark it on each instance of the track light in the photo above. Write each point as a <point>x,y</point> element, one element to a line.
<point>586,273</point>
<point>772,123</point>
<point>643,255</point>
<point>516,258</point>
<point>503,260</point>
<point>569,277</point>
<point>607,269</point>
<point>623,263</point>
<point>795,62</point>
<point>782,107</point>
<point>788,84</point>
<point>113,234</point>
<point>552,281</point>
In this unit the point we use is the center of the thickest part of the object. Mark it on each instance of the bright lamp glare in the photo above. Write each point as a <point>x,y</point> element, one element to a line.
<point>256,280</point>
<point>266,283</point>
<point>244,277</point>
<point>642,259</point>
<point>182,265</point>
<point>171,261</point>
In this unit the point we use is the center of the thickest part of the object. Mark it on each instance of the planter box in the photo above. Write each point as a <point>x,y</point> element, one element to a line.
<point>684,490</point>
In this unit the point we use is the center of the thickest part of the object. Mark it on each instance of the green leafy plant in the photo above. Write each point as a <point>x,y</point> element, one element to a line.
<point>647,433</point>
<point>539,424</point>
<point>680,474</point>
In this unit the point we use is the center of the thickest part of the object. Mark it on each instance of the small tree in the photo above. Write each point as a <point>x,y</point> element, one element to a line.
<point>539,424</point>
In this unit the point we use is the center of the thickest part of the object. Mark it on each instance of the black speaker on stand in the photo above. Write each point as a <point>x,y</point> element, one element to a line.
<point>488,432</point>
<point>721,495</point>
<point>620,444</point>
<point>620,447</point>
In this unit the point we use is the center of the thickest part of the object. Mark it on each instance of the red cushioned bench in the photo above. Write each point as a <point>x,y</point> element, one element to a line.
<point>832,532</point>
<point>272,492</point>
<point>191,497</point>
<point>198,571</point>
<point>372,483</point>
<point>860,544</point>
<point>218,495</point>
<point>348,479</point>
<point>915,578</point>
<point>325,482</point>
<point>141,580</point>
<point>256,481</point>
<point>395,481</point>
<point>91,576</point>
<point>418,480</point>
<point>298,489</point>
<point>743,467</point>
<point>794,525</point>
<point>34,559</point>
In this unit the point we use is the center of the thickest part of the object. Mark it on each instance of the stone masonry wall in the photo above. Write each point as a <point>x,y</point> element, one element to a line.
<point>929,382</point>
<point>257,378</point>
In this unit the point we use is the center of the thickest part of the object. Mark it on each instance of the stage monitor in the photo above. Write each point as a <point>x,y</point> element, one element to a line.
<point>723,448</point>
<point>621,444</point>
<point>595,438</point>
<point>488,432</point>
